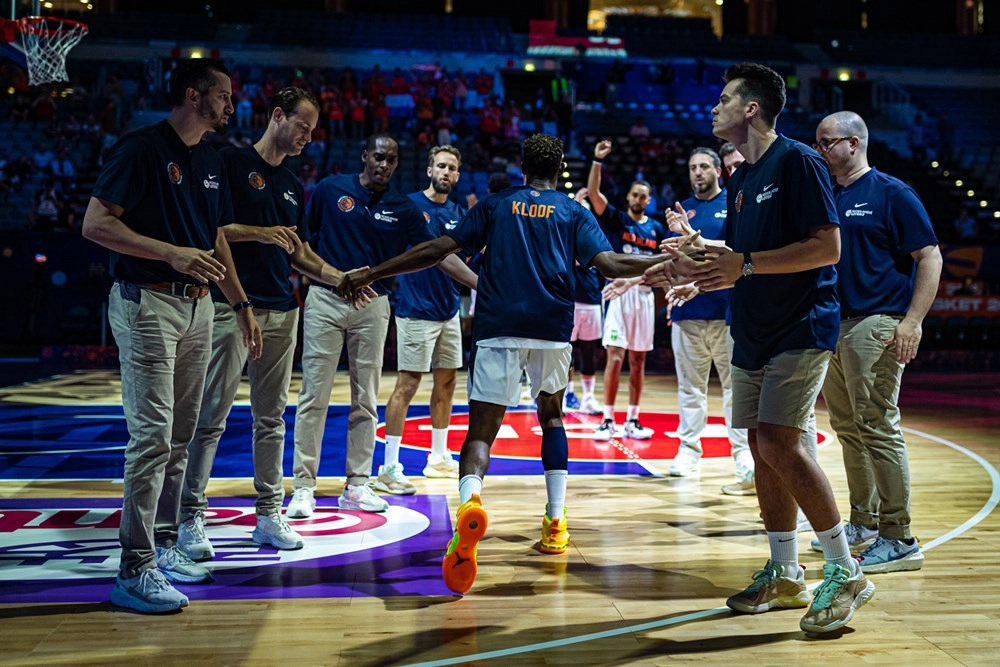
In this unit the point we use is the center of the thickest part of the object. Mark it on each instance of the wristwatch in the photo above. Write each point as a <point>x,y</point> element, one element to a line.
<point>747,265</point>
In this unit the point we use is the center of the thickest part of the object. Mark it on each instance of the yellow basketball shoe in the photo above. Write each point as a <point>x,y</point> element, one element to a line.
<point>459,565</point>
<point>555,534</point>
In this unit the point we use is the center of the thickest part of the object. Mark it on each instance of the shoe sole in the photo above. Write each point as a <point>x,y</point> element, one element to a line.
<point>906,564</point>
<point>124,599</point>
<point>264,539</point>
<point>300,513</point>
<point>639,437</point>
<point>689,473</point>
<point>178,578</point>
<point>859,601</point>
<point>197,556</point>
<point>551,549</point>
<point>358,507</point>
<point>602,436</point>
<point>434,474</point>
<point>385,488</point>
<point>459,568</point>
<point>739,492</point>
<point>781,602</point>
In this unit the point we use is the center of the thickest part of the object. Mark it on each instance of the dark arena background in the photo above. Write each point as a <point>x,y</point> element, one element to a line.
<point>653,557</point>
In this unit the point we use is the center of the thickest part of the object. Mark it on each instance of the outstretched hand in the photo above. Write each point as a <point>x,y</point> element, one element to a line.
<point>678,221</point>
<point>616,288</point>
<point>354,287</point>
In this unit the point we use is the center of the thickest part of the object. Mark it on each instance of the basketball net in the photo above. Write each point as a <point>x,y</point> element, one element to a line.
<point>46,40</point>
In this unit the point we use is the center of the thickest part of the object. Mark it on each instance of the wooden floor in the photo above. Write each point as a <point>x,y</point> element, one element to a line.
<point>644,582</point>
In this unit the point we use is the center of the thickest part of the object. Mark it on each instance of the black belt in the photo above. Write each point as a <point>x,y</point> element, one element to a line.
<point>183,290</point>
<point>850,315</point>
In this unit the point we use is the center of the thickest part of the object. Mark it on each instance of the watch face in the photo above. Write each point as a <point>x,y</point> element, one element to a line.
<point>747,269</point>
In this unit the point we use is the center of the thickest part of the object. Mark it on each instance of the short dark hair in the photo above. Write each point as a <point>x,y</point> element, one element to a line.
<point>542,155</point>
<point>643,183</point>
<point>196,73</point>
<point>288,99</point>
<point>373,140</point>
<point>712,155</point>
<point>727,148</point>
<point>762,85</point>
<point>497,183</point>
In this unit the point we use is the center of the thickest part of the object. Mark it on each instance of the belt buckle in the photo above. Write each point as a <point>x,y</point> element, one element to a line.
<point>184,290</point>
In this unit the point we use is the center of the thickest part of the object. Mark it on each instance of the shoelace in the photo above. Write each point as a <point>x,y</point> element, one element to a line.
<point>280,522</point>
<point>765,576</point>
<point>197,527</point>
<point>300,495</point>
<point>153,579</point>
<point>833,580</point>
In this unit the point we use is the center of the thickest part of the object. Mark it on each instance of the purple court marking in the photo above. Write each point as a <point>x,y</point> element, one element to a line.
<point>58,550</point>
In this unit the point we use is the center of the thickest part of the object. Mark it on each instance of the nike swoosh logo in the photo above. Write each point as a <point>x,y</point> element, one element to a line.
<point>791,539</point>
<point>861,204</point>
<point>837,535</point>
<point>211,177</point>
<point>768,187</point>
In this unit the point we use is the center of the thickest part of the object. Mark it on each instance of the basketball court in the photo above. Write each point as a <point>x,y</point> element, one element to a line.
<point>651,562</point>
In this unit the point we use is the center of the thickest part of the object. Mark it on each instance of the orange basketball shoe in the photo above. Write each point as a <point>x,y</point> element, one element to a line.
<point>459,565</point>
<point>555,534</point>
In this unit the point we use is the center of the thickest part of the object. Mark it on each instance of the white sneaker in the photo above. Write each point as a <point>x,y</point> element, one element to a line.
<point>178,568</point>
<point>441,466</point>
<point>802,524</point>
<point>274,530</point>
<point>392,480</point>
<point>687,462</point>
<point>589,406</point>
<point>361,497</point>
<point>636,431</point>
<point>191,538</point>
<point>605,431</point>
<point>744,465</point>
<point>302,504</point>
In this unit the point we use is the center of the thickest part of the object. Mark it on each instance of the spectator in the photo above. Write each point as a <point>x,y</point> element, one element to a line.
<point>965,226</point>
<point>639,130</point>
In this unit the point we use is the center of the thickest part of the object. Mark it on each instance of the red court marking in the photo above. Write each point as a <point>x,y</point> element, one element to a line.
<point>520,436</point>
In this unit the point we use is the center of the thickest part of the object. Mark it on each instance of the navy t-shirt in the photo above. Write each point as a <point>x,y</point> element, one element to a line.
<point>882,221</point>
<point>170,192</point>
<point>263,196</point>
<point>430,294</point>
<point>351,226</point>
<point>772,203</point>
<point>709,217</point>
<point>527,282</point>
<point>631,237</point>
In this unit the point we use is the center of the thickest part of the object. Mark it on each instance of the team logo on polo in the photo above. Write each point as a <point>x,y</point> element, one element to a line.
<point>256,180</point>
<point>427,216</point>
<point>175,173</point>
<point>692,213</point>
<point>345,204</point>
<point>739,201</point>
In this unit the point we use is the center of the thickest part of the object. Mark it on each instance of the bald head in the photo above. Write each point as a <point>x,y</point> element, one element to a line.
<point>847,124</point>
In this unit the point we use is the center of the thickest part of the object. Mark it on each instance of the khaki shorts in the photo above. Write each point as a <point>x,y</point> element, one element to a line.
<point>784,392</point>
<point>425,344</point>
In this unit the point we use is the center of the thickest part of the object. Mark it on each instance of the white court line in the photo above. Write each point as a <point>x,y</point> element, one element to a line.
<point>987,508</point>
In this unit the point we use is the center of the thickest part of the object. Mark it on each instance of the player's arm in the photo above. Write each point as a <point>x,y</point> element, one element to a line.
<point>925,284</point>
<point>598,202</point>
<point>458,270</point>
<point>620,265</point>
<point>308,263</point>
<point>102,224</point>
<point>232,289</point>
<point>820,248</point>
<point>416,258</point>
<point>279,235</point>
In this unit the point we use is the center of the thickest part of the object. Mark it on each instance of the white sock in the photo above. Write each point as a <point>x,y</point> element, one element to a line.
<point>468,486</point>
<point>835,548</point>
<point>439,442</point>
<point>587,382</point>
<point>555,487</point>
<point>609,412</point>
<point>633,412</point>
<point>785,551</point>
<point>392,448</point>
<point>569,387</point>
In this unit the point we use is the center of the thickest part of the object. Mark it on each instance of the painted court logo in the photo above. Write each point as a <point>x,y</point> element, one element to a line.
<point>76,542</point>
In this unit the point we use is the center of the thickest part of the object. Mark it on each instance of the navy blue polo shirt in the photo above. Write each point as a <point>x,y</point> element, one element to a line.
<point>170,192</point>
<point>631,237</point>
<point>263,196</point>
<point>882,221</point>
<point>588,285</point>
<point>772,203</point>
<point>526,282</point>
<point>709,217</point>
<point>351,226</point>
<point>430,294</point>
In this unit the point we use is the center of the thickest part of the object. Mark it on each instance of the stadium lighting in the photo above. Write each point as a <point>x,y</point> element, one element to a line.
<point>935,164</point>
<point>529,67</point>
<point>569,185</point>
<point>970,193</point>
<point>983,203</point>
<point>958,183</point>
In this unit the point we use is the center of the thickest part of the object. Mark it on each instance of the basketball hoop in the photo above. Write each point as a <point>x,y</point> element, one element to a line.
<point>46,40</point>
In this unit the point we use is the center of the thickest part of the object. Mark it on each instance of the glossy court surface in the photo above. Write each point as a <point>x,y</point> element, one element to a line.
<point>650,564</point>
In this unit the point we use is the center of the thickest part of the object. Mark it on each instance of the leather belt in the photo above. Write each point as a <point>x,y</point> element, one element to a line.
<point>183,290</point>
